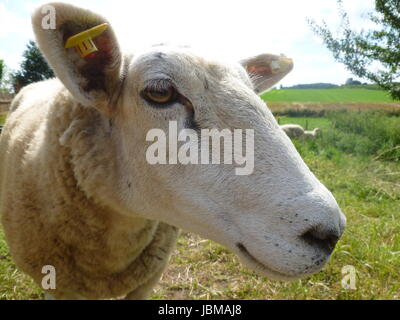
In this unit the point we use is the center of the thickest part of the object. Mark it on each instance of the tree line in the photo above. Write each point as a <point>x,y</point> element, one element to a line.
<point>33,68</point>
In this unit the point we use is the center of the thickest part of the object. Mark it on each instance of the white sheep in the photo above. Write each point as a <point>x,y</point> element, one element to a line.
<point>77,193</point>
<point>297,131</point>
<point>312,134</point>
<point>293,130</point>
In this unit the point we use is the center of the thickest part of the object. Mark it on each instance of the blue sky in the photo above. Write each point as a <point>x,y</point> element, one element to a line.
<point>230,29</point>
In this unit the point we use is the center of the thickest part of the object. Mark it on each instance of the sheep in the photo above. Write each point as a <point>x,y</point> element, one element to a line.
<point>293,130</point>
<point>311,134</point>
<point>297,131</point>
<point>78,194</point>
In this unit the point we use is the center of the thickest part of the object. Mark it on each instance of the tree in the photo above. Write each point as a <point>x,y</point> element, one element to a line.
<point>369,54</point>
<point>34,68</point>
<point>4,79</point>
<point>351,81</point>
<point>1,71</point>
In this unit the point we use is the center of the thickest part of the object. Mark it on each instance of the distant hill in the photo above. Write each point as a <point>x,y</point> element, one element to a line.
<point>319,85</point>
<point>362,86</point>
<point>323,85</point>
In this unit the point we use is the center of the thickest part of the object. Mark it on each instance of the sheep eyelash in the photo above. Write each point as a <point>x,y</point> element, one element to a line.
<point>159,84</point>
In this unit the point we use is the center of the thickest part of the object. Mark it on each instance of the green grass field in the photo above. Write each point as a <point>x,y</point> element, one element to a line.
<point>348,159</point>
<point>327,95</point>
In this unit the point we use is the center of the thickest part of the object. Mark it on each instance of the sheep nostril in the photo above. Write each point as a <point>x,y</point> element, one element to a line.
<point>324,241</point>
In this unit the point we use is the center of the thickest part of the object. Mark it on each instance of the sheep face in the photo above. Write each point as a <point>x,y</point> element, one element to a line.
<point>279,219</point>
<point>272,217</point>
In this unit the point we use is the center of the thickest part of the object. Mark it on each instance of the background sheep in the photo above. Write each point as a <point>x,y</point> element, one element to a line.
<point>311,134</point>
<point>293,130</point>
<point>297,131</point>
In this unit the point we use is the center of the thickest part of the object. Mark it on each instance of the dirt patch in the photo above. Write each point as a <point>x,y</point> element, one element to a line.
<point>330,106</point>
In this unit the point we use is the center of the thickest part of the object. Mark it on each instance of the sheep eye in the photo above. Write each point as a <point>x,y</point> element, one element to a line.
<point>160,95</point>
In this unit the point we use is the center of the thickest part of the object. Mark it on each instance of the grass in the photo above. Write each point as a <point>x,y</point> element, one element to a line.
<point>367,190</point>
<point>327,95</point>
<point>359,133</point>
<point>13,283</point>
<point>3,117</point>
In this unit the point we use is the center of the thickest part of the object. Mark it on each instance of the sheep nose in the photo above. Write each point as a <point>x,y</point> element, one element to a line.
<point>322,240</point>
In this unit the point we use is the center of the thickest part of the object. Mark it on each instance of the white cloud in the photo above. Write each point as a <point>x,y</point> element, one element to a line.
<point>11,60</point>
<point>11,23</point>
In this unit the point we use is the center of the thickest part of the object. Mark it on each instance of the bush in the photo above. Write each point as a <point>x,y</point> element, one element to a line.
<point>300,113</point>
<point>364,133</point>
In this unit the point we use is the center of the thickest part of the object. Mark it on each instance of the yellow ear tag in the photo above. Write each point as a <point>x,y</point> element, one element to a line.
<point>83,41</point>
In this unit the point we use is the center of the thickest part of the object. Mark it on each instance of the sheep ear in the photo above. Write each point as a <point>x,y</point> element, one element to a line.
<point>265,70</point>
<point>93,78</point>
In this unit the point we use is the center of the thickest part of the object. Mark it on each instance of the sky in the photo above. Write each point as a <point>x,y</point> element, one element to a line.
<point>231,30</point>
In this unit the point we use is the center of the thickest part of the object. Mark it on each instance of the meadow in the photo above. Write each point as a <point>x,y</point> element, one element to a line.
<point>317,102</point>
<point>357,158</point>
<point>327,95</point>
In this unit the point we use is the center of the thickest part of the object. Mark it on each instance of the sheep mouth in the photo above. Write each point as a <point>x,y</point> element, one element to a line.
<point>259,266</point>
